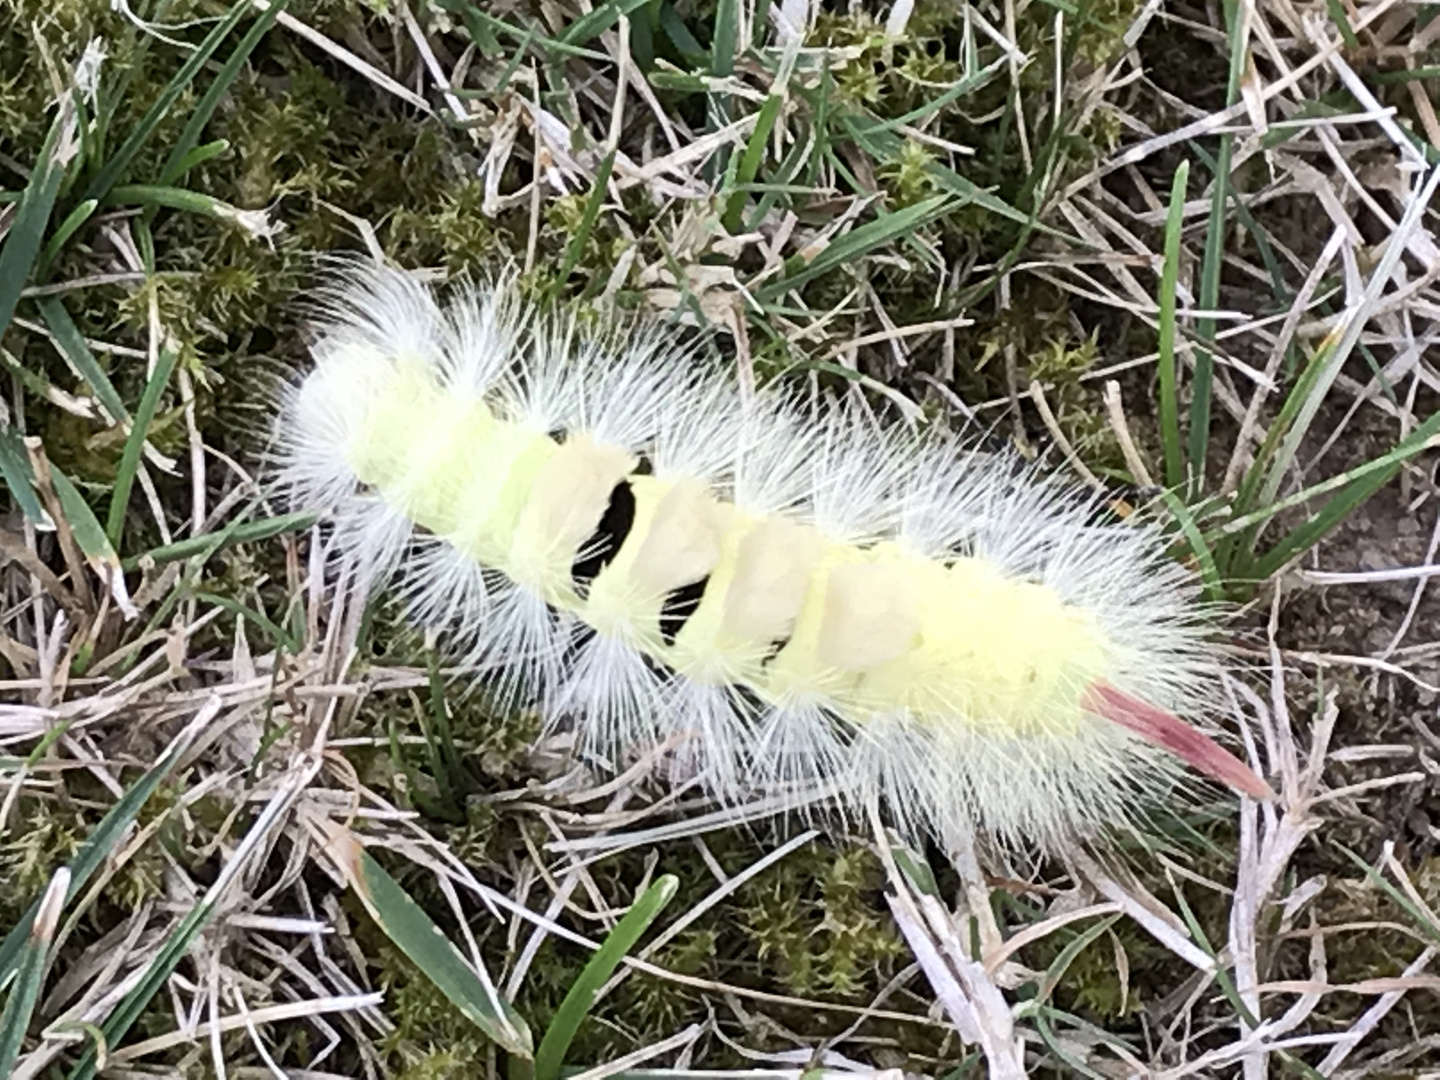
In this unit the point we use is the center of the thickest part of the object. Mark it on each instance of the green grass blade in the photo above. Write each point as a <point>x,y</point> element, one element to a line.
<point>122,1017</point>
<point>1056,971</point>
<point>1202,385</point>
<point>130,458</point>
<point>406,924</point>
<point>922,113</point>
<point>856,244</point>
<point>750,162</point>
<point>15,459</point>
<point>1415,74</point>
<point>872,136</point>
<point>71,344</point>
<point>152,196</point>
<point>1330,357</point>
<point>85,525</point>
<point>238,533</point>
<point>177,163</point>
<point>1404,903</point>
<point>72,222</point>
<point>1412,445</point>
<point>481,22</point>
<point>601,18</point>
<point>1357,490</point>
<point>1354,486</point>
<point>1209,572</point>
<point>124,157</point>
<point>918,874</point>
<point>1056,1045</point>
<point>723,38</point>
<point>680,36</point>
<point>1256,229</point>
<point>199,156</point>
<point>480,33</point>
<point>30,977</point>
<point>576,247</point>
<point>1169,284</point>
<point>1221,973</point>
<point>21,246</point>
<point>1342,23</point>
<point>581,996</point>
<point>274,633</point>
<point>99,845</point>
<point>16,472</point>
<point>726,29</point>
<point>1256,486</point>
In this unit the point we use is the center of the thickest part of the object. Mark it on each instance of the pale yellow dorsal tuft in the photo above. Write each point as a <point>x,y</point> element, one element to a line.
<point>565,504</point>
<point>682,544</point>
<point>772,573</point>
<point>871,616</point>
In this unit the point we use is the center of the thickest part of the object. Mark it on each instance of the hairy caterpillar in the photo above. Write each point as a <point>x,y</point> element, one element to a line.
<point>788,593</point>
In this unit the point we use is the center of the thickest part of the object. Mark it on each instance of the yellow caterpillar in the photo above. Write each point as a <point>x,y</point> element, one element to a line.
<point>794,596</point>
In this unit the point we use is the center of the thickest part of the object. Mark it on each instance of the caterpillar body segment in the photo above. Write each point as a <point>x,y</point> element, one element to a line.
<point>789,596</point>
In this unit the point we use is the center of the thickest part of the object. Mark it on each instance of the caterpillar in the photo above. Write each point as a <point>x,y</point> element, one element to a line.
<point>782,590</point>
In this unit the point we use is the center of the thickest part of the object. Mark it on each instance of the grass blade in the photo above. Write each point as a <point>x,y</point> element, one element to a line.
<point>94,544</point>
<point>209,543</point>
<point>122,159</point>
<point>1169,283</point>
<point>1330,357</point>
<point>1209,572</point>
<point>1056,1045</point>
<point>598,20</point>
<point>723,38</point>
<point>78,518</point>
<point>1359,488</point>
<point>581,996</point>
<point>179,160</point>
<point>750,162</point>
<point>199,156</point>
<point>25,991</point>
<point>101,842</point>
<point>274,633</point>
<point>1202,388</point>
<point>406,924</point>
<point>118,1023</point>
<point>875,139</point>
<point>577,243</point>
<point>15,471</point>
<point>71,344</point>
<point>130,458</point>
<point>1056,971</point>
<point>722,66</point>
<point>1404,903</point>
<point>21,246</point>
<point>856,244</point>
<point>72,222</point>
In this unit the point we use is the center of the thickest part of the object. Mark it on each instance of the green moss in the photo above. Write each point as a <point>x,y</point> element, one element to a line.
<point>814,922</point>
<point>43,836</point>
<point>909,180</point>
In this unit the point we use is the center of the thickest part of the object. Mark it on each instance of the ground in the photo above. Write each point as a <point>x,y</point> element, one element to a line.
<point>238,803</point>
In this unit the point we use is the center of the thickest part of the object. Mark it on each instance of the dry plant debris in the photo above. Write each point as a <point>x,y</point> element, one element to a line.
<point>245,832</point>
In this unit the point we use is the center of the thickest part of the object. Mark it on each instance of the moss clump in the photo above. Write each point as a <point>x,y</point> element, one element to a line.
<point>814,922</point>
